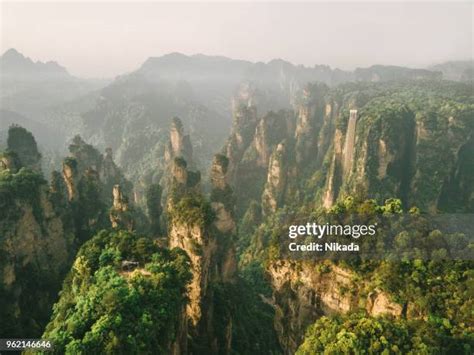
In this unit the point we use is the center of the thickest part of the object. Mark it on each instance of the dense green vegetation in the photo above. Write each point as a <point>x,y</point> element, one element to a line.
<point>358,334</point>
<point>420,123</point>
<point>425,270</point>
<point>252,318</point>
<point>24,185</point>
<point>24,145</point>
<point>107,306</point>
<point>192,209</point>
<point>124,294</point>
<point>29,276</point>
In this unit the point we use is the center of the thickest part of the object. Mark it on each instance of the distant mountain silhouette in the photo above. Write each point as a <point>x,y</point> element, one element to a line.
<point>35,89</point>
<point>13,63</point>
<point>461,70</point>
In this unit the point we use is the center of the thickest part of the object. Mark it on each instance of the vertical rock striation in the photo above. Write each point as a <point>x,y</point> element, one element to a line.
<point>349,142</point>
<point>120,214</point>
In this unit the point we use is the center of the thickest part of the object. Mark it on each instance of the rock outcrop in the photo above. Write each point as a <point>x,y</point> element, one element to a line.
<point>37,243</point>
<point>206,232</point>
<point>222,203</point>
<point>335,173</point>
<point>179,145</point>
<point>88,158</point>
<point>188,229</point>
<point>312,119</point>
<point>23,144</point>
<point>244,115</point>
<point>274,191</point>
<point>70,175</point>
<point>120,214</point>
<point>9,161</point>
<point>200,247</point>
<point>305,291</point>
<point>349,142</point>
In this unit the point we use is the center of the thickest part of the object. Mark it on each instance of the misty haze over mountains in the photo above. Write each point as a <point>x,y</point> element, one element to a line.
<point>137,107</point>
<point>105,39</point>
<point>151,212</point>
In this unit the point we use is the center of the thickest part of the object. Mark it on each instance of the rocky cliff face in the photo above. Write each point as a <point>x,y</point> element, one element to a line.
<point>88,158</point>
<point>36,247</point>
<point>192,236</point>
<point>70,175</point>
<point>458,189</point>
<point>305,291</point>
<point>251,144</point>
<point>120,214</point>
<point>306,131</point>
<point>379,161</point>
<point>200,247</point>
<point>364,141</point>
<point>244,114</point>
<point>9,161</point>
<point>179,145</point>
<point>274,191</point>
<point>178,159</point>
<point>313,114</point>
<point>222,203</point>
<point>204,231</point>
<point>91,179</point>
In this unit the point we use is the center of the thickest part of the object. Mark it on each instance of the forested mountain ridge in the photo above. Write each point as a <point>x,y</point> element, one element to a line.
<point>44,223</point>
<point>44,98</point>
<point>131,114</point>
<point>157,255</point>
<point>397,129</point>
<point>342,152</point>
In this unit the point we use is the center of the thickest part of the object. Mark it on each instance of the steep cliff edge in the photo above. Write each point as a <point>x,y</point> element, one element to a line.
<point>179,144</point>
<point>372,143</point>
<point>41,226</point>
<point>366,139</point>
<point>275,187</point>
<point>204,231</point>
<point>306,291</point>
<point>36,242</point>
<point>141,290</point>
<point>396,143</point>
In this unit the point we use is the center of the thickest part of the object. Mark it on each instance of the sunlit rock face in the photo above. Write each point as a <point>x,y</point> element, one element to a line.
<point>302,294</point>
<point>273,193</point>
<point>349,142</point>
<point>179,144</point>
<point>206,232</point>
<point>9,161</point>
<point>38,241</point>
<point>70,175</point>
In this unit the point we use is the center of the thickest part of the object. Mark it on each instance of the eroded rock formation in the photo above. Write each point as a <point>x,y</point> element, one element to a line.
<point>205,231</point>
<point>305,291</point>
<point>274,191</point>
<point>120,213</point>
<point>179,145</point>
<point>222,203</point>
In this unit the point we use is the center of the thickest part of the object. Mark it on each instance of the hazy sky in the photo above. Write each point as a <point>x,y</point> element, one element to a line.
<point>107,39</point>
